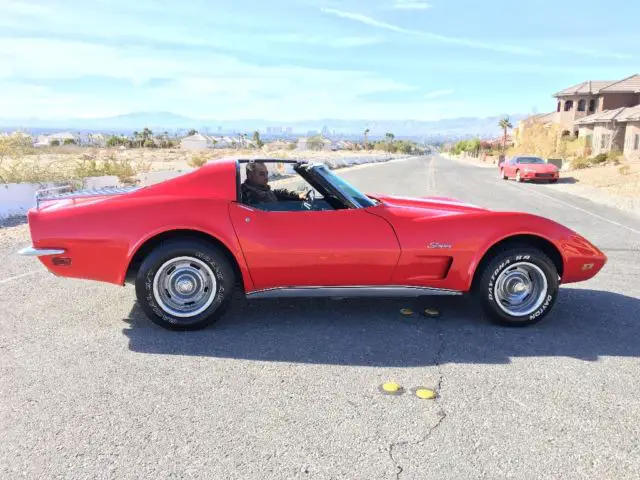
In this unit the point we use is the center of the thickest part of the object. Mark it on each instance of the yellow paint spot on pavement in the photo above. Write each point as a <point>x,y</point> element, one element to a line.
<point>425,393</point>
<point>391,388</point>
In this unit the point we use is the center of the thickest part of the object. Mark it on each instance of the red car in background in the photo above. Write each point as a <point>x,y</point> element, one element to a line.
<point>188,243</point>
<point>524,168</point>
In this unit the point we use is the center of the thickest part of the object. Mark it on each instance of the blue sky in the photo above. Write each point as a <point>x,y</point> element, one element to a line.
<point>307,59</point>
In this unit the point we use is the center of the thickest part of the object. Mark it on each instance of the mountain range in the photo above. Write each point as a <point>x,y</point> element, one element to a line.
<point>171,122</point>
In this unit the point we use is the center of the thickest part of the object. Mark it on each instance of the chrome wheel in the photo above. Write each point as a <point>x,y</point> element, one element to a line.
<point>184,286</point>
<point>520,289</point>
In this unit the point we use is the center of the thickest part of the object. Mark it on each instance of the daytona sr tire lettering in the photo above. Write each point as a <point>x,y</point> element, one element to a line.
<point>520,285</point>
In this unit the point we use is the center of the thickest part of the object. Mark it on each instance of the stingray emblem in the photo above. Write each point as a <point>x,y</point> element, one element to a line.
<point>439,245</point>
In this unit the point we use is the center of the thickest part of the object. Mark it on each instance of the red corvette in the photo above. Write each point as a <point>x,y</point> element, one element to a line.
<point>524,168</point>
<point>187,243</point>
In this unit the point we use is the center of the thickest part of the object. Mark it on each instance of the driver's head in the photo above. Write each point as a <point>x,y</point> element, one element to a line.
<point>257,173</point>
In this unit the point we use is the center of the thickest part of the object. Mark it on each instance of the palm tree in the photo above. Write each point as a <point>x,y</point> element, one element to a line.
<point>257,140</point>
<point>389,136</point>
<point>504,124</point>
<point>366,134</point>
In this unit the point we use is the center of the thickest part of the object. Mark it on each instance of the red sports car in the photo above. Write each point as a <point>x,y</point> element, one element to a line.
<point>189,242</point>
<point>524,168</point>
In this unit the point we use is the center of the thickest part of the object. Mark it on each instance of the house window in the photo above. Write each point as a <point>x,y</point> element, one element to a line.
<point>592,105</point>
<point>636,142</point>
<point>559,106</point>
<point>581,105</point>
<point>568,105</point>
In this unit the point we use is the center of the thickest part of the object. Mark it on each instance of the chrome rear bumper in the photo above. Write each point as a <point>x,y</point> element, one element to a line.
<point>40,252</point>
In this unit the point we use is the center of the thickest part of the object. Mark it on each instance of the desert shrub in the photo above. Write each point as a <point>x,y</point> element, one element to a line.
<point>122,168</point>
<point>198,160</point>
<point>292,146</point>
<point>579,163</point>
<point>404,147</point>
<point>315,143</point>
<point>69,141</point>
<point>615,156</point>
<point>29,170</point>
<point>624,170</point>
<point>54,143</point>
<point>600,158</point>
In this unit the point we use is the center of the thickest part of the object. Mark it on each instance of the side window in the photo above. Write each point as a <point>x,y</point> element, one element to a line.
<point>275,187</point>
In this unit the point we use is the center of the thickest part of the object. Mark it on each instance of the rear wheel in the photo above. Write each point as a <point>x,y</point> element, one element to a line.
<point>184,284</point>
<point>518,287</point>
<point>502,174</point>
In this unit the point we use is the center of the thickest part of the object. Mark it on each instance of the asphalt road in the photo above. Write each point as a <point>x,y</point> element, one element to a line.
<point>289,389</point>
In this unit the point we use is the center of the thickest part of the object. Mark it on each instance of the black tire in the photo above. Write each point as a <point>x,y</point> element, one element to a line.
<point>555,180</point>
<point>202,258</point>
<point>518,177</point>
<point>509,261</point>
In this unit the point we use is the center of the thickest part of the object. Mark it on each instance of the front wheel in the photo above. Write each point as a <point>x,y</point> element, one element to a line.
<point>518,287</point>
<point>184,284</point>
<point>518,177</point>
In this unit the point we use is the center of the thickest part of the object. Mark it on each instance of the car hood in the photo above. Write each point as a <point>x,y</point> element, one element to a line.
<point>428,206</point>
<point>540,167</point>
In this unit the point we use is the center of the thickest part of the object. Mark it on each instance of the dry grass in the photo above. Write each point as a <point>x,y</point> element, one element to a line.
<point>20,163</point>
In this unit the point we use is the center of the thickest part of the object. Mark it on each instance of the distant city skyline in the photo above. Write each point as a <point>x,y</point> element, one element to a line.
<point>305,59</point>
<point>167,121</point>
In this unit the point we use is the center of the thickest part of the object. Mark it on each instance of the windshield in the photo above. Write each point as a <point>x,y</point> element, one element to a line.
<point>530,160</point>
<point>345,187</point>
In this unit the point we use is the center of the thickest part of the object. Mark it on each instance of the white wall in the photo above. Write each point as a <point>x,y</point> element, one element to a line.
<point>160,176</point>
<point>18,198</point>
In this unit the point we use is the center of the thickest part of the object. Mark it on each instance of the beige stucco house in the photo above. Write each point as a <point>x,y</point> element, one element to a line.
<point>613,130</point>
<point>606,113</point>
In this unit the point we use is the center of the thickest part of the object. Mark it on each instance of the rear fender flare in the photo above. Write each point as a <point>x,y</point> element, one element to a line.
<point>234,251</point>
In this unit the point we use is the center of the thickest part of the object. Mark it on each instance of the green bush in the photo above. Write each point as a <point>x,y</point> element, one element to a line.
<point>600,158</point>
<point>615,156</point>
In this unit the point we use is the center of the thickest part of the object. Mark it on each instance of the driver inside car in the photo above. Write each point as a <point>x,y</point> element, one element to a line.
<point>256,189</point>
